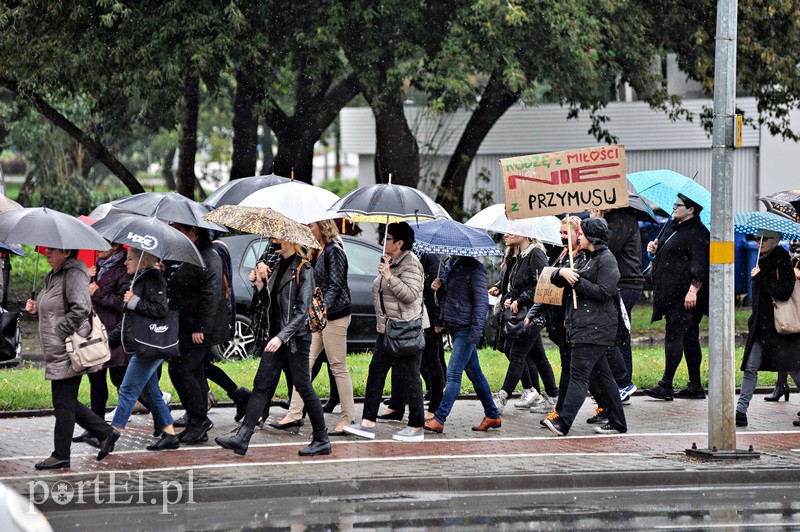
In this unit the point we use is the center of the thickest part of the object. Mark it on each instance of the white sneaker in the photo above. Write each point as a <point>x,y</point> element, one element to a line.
<point>110,415</point>
<point>167,397</point>
<point>524,400</point>
<point>409,434</point>
<point>500,400</point>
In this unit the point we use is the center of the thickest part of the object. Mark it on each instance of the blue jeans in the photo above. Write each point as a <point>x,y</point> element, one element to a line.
<point>141,378</point>
<point>464,358</point>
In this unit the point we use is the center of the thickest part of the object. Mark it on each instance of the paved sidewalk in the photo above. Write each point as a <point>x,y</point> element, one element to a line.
<point>519,455</point>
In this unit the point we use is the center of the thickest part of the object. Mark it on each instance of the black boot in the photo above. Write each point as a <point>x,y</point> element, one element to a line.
<point>329,405</point>
<point>741,419</point>
<point>167,441</point>
<point>240,396</point>
<point>319,445</point>
<point>238,443</point>
<point>781,390</point>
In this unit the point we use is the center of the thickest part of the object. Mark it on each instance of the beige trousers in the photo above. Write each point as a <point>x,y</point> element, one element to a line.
<point>334,340</point>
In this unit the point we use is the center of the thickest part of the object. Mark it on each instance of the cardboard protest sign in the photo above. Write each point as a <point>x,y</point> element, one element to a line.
<point>546,291</point>
<point>565,182</point>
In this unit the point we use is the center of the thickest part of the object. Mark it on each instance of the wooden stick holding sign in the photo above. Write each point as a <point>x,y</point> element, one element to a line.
<point>564,182</point>
<point>571,260</point>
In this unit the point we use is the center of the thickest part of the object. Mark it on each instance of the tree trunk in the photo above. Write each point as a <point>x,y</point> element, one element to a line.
<point>245,126</point>
<point>267,157</point>
<point>166,168</point>
<point>396,150</point>
<point>25,191</point>
<point>185,179</point>
<point>96,148</point>
<point>295,153</point>
<point>495,101</point>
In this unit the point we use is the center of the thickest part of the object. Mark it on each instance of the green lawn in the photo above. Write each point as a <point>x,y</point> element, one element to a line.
<point>25,387</point>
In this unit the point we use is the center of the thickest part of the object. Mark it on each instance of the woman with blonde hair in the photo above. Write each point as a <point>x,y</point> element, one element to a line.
<point>291,290</point>
<point>330,275</point>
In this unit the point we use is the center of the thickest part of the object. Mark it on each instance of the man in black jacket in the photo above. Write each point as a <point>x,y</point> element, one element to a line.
<point>198,294</point>
<point>625,243</point>
<point>591,331</point>
<point>680,294</point>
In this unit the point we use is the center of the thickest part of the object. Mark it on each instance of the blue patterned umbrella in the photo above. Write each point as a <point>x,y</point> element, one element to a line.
<point>750,223</point>
<point>448,237</point>
<point>663,186</point>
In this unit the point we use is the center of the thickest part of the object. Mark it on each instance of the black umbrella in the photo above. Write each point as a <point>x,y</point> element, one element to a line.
<point>386,203</point>
<point>151,235</point>
<point>45,227</point>
<point>234,191</point>
<point>168,207</point>
<point>786,204</point>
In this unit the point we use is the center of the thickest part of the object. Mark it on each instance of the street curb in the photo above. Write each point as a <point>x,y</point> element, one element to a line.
<point>370,487</point>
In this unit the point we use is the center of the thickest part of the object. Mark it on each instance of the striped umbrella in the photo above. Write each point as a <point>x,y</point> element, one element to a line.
<point>751,222</point>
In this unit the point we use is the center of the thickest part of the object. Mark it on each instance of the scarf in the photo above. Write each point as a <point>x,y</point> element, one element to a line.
<point>103,265</point>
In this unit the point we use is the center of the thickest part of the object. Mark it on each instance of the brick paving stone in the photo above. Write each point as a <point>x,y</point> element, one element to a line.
<point>658,434</point>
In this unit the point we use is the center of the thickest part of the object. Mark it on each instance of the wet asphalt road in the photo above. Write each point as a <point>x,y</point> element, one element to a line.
<point>674,508</point>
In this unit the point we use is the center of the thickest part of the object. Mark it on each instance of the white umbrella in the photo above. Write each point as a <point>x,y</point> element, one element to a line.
<point>493,218</point>
<point>298,201</point>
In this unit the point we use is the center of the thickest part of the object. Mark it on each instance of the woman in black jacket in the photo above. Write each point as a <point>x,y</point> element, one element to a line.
<point>531,260</point>
<point>591,330</point>
<point>148,298</point>
<point>291,289</point>
<point>330,275</point>
<point>680,295</point>
<point>766,349</point>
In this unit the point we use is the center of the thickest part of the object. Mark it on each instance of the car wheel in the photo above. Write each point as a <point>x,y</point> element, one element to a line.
<point>238,347</point>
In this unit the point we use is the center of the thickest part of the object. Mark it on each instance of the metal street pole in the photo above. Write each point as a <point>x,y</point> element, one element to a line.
<point>721,348</point>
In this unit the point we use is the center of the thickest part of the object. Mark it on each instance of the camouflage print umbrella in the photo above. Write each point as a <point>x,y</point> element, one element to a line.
<point>264,222</point>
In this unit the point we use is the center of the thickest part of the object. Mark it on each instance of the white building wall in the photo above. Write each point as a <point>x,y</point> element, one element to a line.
<point>779,163</point>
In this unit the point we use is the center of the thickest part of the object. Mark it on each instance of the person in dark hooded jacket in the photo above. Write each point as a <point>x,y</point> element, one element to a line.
<point>592,330</point>
<point>198,294</point>
<point>680,294</point>
<point>766,349</point>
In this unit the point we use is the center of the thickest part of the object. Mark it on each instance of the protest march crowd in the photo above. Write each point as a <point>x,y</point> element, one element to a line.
<point>160,294</point>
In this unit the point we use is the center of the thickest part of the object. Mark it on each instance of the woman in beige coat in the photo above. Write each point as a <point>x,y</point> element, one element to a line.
<point>399,284</point>
<point>64,307</point>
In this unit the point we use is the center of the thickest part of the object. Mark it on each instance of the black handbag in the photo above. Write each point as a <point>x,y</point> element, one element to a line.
<point>402,338</point>
<point>514,324</point>
<point>10,336</point>
<point>155,338</point>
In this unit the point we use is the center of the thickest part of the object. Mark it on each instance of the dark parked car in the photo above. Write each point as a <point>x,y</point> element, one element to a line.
<point>362,259</point>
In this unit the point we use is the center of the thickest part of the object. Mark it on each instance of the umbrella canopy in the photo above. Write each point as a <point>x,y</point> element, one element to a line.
<point>104,209</point>
<point>234,191</point>
<point>448,237</point>
<point>151,235</point>
<point>493,218</point>
<point>264,222</point>
<point>16,249</point>
<point>168,207</point>
<point>298,201</point>
<point>8,204</point>
<point>750,223</point>
<point>641,208</point>
<point>375,202</point>
<point>663,186</point>
<point>786,204</point>
<point>45,227</point>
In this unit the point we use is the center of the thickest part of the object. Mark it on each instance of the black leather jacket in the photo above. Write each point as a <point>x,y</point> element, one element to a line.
<point>525,275</point>
<point>293,299</point>
<point>330,274</point>
<point>150,300</point>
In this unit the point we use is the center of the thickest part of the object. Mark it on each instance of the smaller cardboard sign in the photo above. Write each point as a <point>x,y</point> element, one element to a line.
<point>546,291</point>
